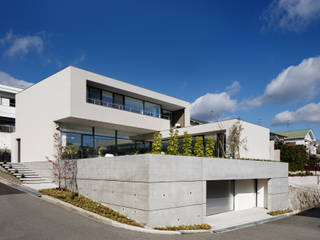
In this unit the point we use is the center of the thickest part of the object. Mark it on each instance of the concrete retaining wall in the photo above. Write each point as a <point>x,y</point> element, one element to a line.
<point>162,190</point>
<point>302,198</point>
<point>307,180</point>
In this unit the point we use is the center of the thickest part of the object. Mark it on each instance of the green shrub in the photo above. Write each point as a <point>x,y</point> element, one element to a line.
<point>198,147</point>
<point>295,155</point>
<point>185,227</point>
<point>71,150</point>
<point>102,151</point>
<point>279,212</point>
<point>187,144</point>
<point>173,144</point>
<point>157,143</point>
<point>210,147</point>
<point>89,205</point>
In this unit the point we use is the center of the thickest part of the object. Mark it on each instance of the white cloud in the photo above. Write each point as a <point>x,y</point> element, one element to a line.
<point>293,84</point>
<point>6,38</point>
<point>21,45</point>
<point>233,88</point>
<point>8,80</point>
<point>309,113</point>
<point>293,15</point>
<point>78,60</point>
<point>212,106</point>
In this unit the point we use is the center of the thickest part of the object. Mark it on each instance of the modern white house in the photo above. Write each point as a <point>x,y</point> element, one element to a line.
<point>303,137</point>
<point>96,112</point>
<point>7,114</point>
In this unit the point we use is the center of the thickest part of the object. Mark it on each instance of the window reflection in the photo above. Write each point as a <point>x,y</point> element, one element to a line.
<point>133,105</point>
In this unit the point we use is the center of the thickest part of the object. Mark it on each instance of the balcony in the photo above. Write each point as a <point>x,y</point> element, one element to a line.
<point>126,108</point>
<point>7,111</point>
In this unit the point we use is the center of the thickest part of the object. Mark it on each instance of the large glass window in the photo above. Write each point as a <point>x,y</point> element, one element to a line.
<point>94,95</point>
<point>167,115</point>
<point>107,98</point>
<point>71,139</point>
<point>118,101</point>
<point>152,109</point>
<point>110,99</point>
<point>87,141</point>
<point>133,105</point>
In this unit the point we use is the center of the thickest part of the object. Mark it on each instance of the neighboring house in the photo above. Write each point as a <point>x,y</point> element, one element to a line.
<point>303,137</point>
<point>318,146</point>
<point>7,114</point>
<point>277,137</point>
<point>93,111</point>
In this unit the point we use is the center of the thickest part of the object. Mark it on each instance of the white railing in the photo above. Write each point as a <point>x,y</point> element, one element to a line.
<point>125,108</point>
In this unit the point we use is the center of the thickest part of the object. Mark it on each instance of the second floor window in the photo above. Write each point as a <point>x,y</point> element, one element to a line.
<point>133,105</point>
<point>107,98</point>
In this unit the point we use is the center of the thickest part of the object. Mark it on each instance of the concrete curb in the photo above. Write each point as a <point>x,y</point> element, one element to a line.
<point>21,188</point>
<point>104,219</point>
<point>275,218</point>
<point>195,231</point>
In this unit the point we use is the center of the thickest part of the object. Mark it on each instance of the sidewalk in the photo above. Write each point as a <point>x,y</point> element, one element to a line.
<point>236,219</point>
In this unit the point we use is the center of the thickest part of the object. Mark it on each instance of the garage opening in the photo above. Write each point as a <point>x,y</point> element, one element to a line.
<point>233,195</point>
<point>220,196</point>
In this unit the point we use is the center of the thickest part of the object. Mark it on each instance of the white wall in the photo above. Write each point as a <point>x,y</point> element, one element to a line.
<point>5,140</point>
<point>36,110</point>
<point>262,194</point>
<point>245,194</point>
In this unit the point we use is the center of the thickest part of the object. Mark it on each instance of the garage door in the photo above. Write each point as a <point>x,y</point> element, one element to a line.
<point>245,194</point>
<point>219,197</point>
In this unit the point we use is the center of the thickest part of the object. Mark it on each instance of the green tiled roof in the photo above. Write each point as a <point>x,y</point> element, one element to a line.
<point>295,133</point>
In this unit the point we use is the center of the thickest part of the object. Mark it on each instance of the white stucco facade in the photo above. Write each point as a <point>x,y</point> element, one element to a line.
<point>61,98</point>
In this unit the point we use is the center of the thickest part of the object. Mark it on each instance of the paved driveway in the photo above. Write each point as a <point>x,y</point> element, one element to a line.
<point>23,216</point>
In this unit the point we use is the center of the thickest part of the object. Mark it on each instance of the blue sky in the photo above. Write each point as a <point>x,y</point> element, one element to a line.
<point>258,60</point>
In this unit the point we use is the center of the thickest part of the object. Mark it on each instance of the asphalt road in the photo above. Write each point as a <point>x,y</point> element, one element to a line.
<point>23,216</point>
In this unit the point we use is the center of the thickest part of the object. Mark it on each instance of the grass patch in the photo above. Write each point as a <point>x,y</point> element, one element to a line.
<point>185,227</point>
<point>89,205</point>
<point>279,212</point>
<point>10,177</point>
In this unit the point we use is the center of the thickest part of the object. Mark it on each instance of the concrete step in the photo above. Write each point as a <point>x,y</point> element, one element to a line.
<point>26,174</point>
<point>41,182</point>
<point>36,182</point>
<point>19,167</point>
<point>32,179</point>
<point>22,171</point>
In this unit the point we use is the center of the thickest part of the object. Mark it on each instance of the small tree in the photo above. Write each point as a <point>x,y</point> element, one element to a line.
<point>210,147</point>
<point>173,144</point>
<point>234,140</point>
<point>187,144</point>
<point>72,168</point>
<point>157,143</point>
<point>58,168</point>
<point>198,147</point>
